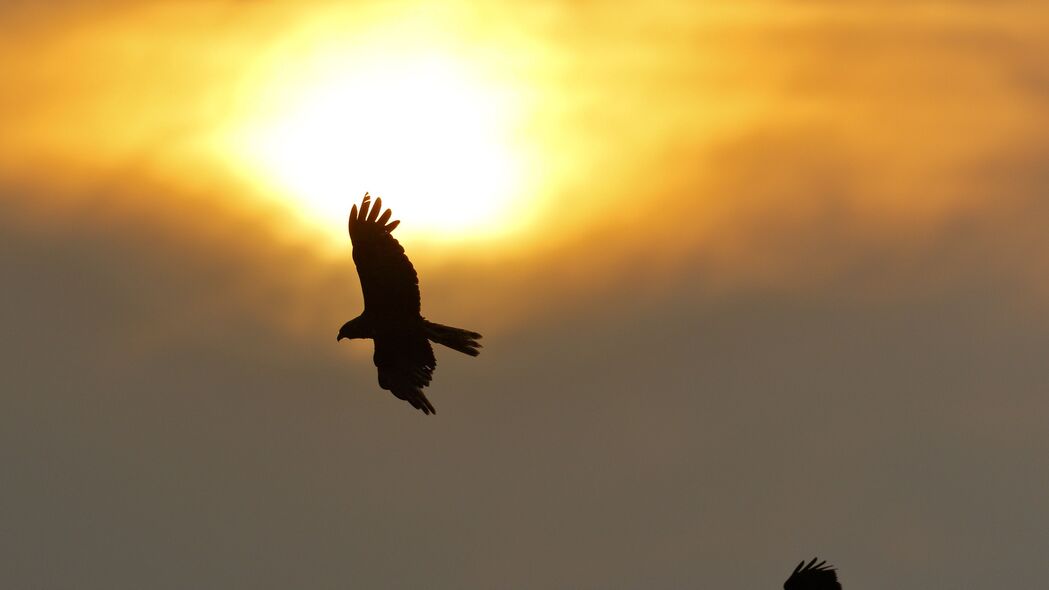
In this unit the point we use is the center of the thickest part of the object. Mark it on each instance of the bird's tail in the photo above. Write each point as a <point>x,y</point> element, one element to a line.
<point>464,341</point>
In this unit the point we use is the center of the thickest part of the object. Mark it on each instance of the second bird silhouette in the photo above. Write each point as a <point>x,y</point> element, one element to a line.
<point>813,576</point>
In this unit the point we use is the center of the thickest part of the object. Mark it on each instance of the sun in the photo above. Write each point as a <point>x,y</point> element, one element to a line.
<point>422,131</point>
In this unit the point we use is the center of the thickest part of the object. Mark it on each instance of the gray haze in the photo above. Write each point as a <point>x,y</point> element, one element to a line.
<point>155,436</point>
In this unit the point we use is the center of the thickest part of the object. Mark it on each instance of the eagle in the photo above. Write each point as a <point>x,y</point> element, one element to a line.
<point>813,576</point>
<point>392,310</point>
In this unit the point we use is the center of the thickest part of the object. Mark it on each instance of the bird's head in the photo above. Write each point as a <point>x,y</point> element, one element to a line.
<point>355,328</point>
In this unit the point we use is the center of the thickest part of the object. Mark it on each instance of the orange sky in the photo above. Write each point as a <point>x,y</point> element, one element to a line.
<point>760,145</point>
<point>599,109</point>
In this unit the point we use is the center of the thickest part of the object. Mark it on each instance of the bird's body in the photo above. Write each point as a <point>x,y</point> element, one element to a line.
<point>392,310</point>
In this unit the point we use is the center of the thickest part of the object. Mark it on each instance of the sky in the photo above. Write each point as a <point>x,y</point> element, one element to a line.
<point>758,281</point>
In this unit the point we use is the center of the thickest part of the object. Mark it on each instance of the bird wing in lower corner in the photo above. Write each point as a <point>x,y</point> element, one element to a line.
<point>813,576</point>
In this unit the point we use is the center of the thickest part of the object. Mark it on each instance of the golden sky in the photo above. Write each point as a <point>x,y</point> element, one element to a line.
<point>750,204</point>
<point>517,119</point>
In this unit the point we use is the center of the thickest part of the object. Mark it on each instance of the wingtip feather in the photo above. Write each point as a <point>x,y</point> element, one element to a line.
<point>376,209</point>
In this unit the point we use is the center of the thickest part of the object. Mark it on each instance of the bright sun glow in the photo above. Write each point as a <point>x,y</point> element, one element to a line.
<point>420,131</point>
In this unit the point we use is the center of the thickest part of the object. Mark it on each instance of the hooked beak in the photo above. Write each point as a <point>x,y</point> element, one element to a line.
<point>339,337</point>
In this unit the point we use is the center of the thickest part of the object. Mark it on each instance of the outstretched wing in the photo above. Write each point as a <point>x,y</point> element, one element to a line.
<point>813,576</point>
<point>388,279</point>
<point>405,361</point>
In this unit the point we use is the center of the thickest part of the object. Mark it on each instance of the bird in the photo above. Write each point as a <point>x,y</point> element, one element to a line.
<point>392,315</point>
<point>813,576</point>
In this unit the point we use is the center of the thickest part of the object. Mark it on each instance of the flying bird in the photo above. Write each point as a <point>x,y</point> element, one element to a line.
<point>813,576</point>
<point>392,311</point>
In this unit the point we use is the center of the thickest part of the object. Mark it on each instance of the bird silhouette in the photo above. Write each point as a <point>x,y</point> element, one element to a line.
<point>813,576</point>
<point>392,309</point>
